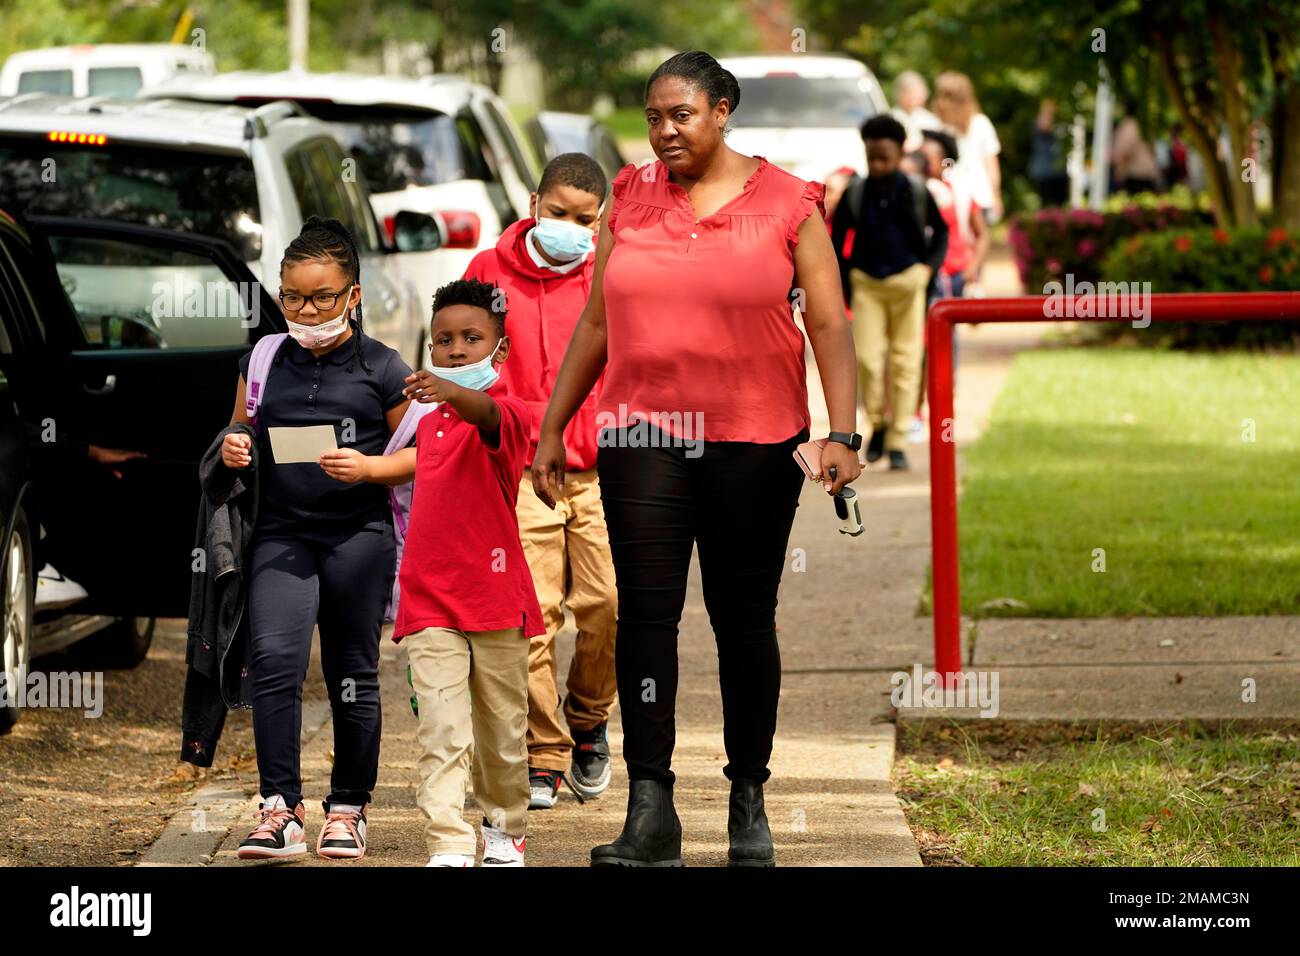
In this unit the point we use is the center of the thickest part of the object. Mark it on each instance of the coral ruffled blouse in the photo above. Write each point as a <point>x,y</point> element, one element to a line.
<point>700,323</point>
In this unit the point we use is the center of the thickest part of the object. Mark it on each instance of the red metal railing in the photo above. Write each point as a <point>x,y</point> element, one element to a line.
<point>944,314</point>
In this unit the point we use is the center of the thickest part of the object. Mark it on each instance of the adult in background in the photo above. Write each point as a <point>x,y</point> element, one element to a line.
<point>977,140</point>
<point>910,96</point>
<point>690,318</point>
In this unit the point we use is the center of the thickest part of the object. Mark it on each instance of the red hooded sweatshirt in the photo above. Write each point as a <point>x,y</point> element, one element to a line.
<point>542,309</point>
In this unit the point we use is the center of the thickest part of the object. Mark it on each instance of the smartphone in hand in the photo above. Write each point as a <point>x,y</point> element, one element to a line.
<point>809,457</point>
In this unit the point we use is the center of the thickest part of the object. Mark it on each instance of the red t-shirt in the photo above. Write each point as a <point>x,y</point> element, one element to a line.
<point>700,326</point>
<point>463,566</point>
<point>959,251</point>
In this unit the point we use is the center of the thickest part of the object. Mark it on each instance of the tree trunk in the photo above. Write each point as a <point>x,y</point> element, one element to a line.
<point>1227,67</point>
<point>1286,155</point>
<point>1200,129</point>
<point>1285,123</point>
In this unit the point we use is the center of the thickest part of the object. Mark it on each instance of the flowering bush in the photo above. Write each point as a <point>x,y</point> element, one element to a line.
<point>1050,243</point>
<point>1256,259</point>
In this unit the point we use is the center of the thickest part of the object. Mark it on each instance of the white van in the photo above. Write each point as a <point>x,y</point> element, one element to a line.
<point>107,69</point>
<point>439,145</point>
<point>803,112</point>
<point>249,177</point>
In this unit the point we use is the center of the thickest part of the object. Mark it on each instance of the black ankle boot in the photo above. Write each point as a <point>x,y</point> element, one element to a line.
<point>652,834</point>
<point>751,839</point>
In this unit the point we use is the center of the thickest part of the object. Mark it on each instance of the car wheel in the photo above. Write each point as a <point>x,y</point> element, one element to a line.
<point>19,609</point>
<point>120,646</point>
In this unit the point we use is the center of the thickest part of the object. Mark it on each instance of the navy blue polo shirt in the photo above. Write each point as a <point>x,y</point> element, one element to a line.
<point>334,389</point>
<point>881,247</point>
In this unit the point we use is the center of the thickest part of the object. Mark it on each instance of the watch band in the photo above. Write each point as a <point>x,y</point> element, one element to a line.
<point>852,439</point>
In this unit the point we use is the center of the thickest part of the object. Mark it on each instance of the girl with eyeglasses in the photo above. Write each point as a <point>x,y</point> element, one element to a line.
<point>323,549</point>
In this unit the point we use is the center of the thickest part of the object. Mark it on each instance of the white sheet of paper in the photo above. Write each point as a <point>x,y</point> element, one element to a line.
<point>307,443</point>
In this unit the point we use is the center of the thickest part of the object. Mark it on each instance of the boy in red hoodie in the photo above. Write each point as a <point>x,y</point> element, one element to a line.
<point>545,264</point>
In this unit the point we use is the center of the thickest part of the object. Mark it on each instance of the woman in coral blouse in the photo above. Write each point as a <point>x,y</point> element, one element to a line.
<point>704,400</point>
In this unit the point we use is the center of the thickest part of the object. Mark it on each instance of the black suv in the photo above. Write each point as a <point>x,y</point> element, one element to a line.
<point>120,337</point>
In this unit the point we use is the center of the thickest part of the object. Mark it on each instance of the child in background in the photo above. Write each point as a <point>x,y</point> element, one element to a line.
<point>899,243</point>
<point>968,235</point>
<point>467,606</point>
<point>544,265</point>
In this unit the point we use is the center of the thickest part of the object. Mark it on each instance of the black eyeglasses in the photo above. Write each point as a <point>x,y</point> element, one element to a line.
<point>293,302</point>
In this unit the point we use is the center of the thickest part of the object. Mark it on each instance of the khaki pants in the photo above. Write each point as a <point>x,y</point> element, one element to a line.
<point>567,551</point>
<point>889,319</point>
<point>448,669</point>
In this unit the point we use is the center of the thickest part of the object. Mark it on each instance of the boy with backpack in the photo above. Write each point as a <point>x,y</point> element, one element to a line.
<point>899,243</point>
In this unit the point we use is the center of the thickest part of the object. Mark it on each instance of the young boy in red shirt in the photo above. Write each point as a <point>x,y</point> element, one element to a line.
<point>545,265</point>
<point>467,607</point>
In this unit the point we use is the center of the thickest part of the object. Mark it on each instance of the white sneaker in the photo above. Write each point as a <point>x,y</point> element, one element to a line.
<point>450,859</point>
<point>53,590</point>
<point>501,849</point>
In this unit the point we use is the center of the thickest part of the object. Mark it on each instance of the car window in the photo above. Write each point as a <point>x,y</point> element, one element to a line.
<point>356,212</point>
<point>114,81</point>
<point>523,169</point>
<point>802,101</point>
<point>396,148</point>
<point>129,294</point>
<point>22,269</point>
<point>315,185</point>
<point>212,194</point>
<point>478,154</point>
<point>46,81</point>
<point>472,134</point>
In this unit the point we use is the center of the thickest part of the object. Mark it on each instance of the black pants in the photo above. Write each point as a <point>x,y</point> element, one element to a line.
<point>341,581</point>
<point>737,500</point>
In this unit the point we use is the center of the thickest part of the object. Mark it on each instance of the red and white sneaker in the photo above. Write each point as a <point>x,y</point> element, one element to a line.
<point>343,837</point>
<point>500,848</point>
<point>280,832</point>
<point>450,859</point>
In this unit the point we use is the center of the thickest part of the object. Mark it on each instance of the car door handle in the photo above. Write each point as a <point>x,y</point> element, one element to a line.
<point>110,383</point>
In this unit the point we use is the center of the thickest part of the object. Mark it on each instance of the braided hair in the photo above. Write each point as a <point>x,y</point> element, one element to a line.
<point>330,240</point>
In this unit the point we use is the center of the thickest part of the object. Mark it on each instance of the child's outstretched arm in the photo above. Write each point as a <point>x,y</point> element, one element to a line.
<point>477,408</point>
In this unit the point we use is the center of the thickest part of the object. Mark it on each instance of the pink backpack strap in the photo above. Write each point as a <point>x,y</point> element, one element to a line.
<point>399,496</point>
<point>259,368</point>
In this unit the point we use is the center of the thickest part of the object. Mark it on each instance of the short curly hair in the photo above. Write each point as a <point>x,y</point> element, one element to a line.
<point>483,295</point>
<point>883,126</point>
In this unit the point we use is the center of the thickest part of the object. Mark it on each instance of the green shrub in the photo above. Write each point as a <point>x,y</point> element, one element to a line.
<point>1051,243</point>
<point>1211,260</point>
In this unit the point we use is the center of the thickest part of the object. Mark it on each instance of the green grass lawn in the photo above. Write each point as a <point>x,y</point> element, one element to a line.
<point>1003,795</point>
<point>1141,454</point>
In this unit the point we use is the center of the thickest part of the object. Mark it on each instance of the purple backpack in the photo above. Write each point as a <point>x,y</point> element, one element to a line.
<point>399,496</point>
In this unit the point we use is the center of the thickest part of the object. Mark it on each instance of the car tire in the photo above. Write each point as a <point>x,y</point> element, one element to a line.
<point>120,646</point>
<point>19,585</point>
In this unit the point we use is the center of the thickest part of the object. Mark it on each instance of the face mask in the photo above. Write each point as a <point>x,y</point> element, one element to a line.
<point>477,377</point>
<point>563,240</point>
<point>319,336</point>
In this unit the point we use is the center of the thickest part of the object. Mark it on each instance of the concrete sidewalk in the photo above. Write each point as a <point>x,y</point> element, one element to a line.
<point>829,800</point>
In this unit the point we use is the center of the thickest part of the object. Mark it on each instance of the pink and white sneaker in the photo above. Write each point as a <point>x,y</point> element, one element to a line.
<point>343,837</point>
<point>280,832</point>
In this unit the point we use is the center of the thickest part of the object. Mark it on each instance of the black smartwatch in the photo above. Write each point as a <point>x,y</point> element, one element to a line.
<point>852,439</point>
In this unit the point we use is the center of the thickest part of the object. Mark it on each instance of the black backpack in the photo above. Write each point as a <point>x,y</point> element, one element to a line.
<point>857,189</point>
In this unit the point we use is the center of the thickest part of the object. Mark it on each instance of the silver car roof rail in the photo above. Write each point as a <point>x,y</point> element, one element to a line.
<point>255,123</point>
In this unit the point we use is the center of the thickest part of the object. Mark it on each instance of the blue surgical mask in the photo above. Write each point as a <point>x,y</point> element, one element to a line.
<point>478,377</point>
<point>564,240</point>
